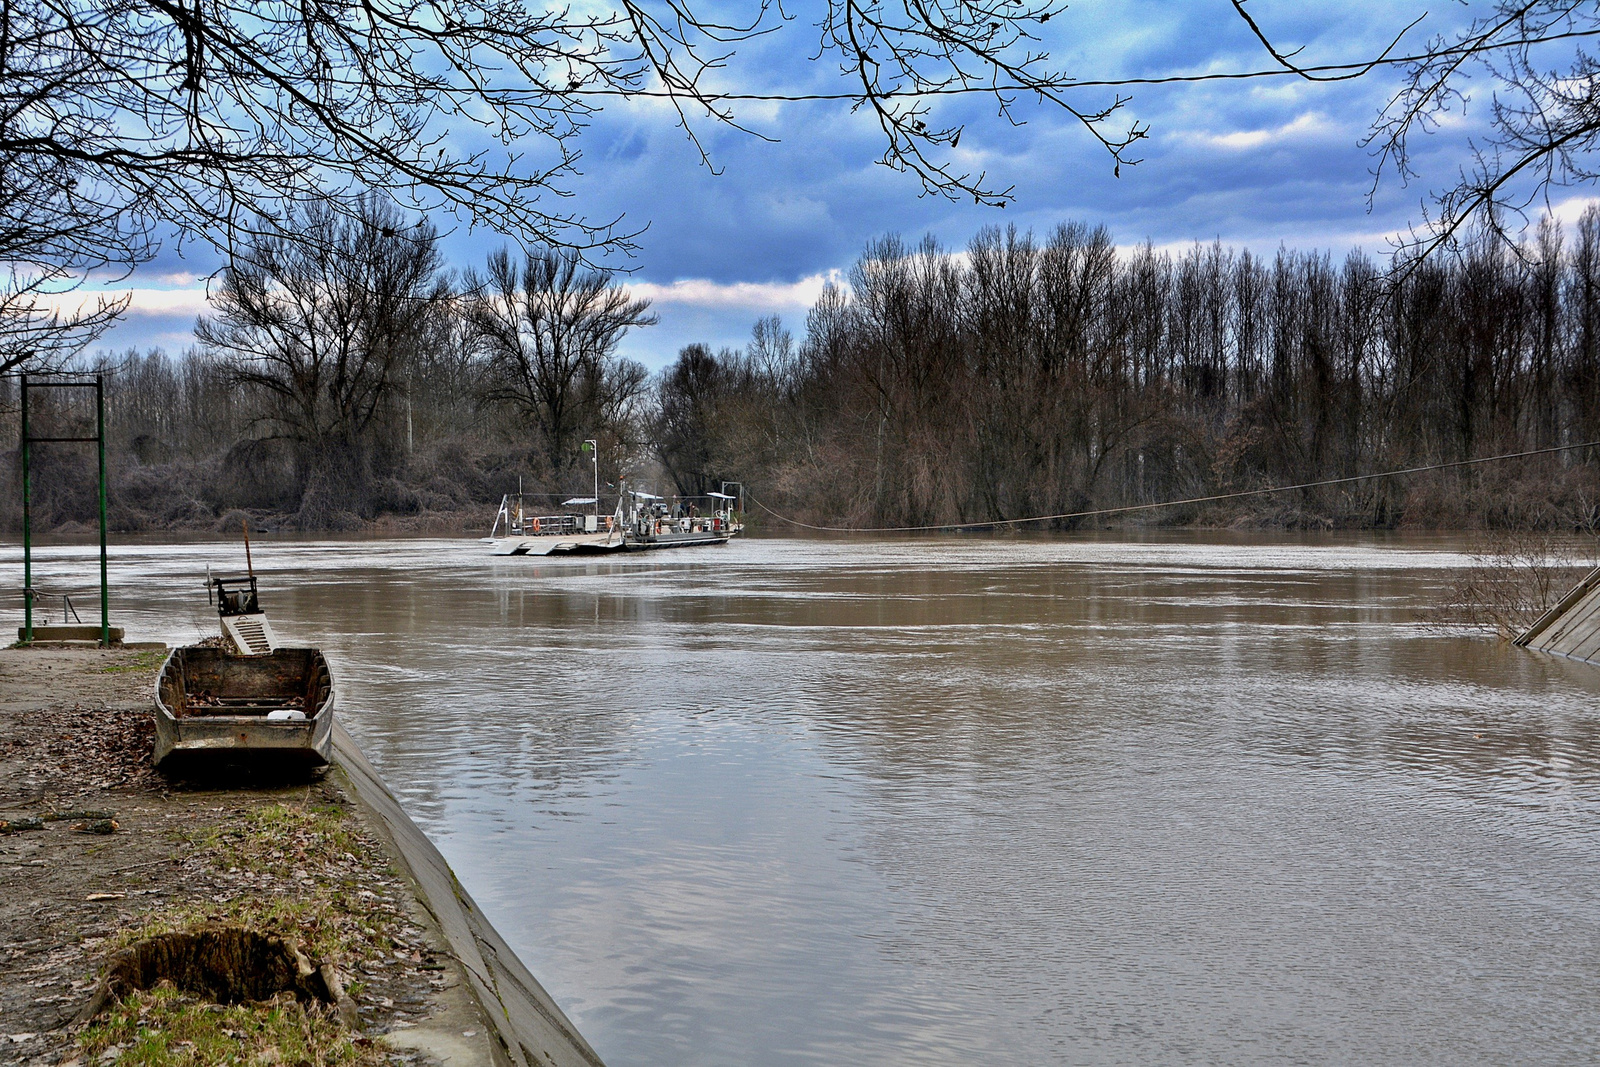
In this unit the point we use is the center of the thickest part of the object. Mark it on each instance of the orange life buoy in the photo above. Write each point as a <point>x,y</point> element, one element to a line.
<point>535,525</point>
<point>608,524</point>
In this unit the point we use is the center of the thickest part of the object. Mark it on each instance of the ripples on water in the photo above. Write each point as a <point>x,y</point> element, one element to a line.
<point>971,801</point>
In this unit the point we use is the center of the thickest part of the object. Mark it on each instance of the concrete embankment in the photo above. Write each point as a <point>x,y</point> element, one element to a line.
<point>529,1027</point>
<point>100,855</point>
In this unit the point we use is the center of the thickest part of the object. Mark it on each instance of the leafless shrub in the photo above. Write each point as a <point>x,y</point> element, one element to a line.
<point>1514,577</point>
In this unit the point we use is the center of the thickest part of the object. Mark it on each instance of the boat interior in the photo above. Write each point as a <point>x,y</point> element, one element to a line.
<point>209,681</point>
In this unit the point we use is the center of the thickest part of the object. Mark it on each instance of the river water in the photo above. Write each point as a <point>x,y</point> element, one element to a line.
<point>1194,798</point>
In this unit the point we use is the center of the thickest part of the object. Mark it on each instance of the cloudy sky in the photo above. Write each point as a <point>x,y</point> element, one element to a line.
<point>1257,164</point>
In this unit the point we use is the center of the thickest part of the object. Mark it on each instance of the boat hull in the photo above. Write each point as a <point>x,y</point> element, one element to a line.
<point>557,544</point>
<point>651,542</point>
<point>230,739</point>
<point>211,709</point>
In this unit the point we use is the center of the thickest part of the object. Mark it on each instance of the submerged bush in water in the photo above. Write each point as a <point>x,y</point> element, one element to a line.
<point>1514,578</point>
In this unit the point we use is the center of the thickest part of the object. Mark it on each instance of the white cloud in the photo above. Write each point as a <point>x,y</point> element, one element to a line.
<point>760,297</point>
<point>169,302</point>
<point>1309,123</point>
<point>1568,211</point>
<point>686,293</point>
<point>145,301</point>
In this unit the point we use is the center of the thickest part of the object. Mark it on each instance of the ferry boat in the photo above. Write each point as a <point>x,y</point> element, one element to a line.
<point>654,523</point>
<point>642,522</point>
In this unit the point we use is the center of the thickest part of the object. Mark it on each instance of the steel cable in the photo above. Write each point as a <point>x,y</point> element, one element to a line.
<point>1213,498</point>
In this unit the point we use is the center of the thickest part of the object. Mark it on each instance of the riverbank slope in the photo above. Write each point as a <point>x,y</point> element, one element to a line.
<point>105,853</point>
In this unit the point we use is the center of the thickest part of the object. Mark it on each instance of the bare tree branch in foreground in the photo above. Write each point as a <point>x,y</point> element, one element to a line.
<point>220,118</point>
<point>125,122</point>
<point>36,336</point>
<point>1543,109</point>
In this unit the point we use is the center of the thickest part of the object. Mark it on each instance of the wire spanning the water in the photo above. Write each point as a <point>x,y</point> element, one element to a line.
<point>1212,499</point>
<point>1339,72</point>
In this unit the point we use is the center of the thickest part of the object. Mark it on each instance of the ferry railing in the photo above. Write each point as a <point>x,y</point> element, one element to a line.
<point>543,525</point>
<point>716,523</point>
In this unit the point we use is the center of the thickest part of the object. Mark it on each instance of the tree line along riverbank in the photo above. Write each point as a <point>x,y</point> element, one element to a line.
<point>1022,375</point>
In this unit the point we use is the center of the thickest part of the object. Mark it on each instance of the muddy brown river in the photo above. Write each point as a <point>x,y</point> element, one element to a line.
<point>1178,799</point>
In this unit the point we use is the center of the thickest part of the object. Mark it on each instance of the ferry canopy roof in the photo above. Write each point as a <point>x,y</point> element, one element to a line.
<point>722,496</point>
<point>647,496</point>
<point>579,500</point>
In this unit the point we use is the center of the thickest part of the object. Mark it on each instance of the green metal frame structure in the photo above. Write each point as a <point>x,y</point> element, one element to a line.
<point>28,441</point>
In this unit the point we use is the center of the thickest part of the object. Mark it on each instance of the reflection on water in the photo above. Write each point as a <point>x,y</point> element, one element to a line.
<point>938,802</point>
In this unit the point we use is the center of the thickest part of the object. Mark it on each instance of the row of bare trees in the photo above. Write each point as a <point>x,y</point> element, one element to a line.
<point>346,372</point>
<point>1029,377</point>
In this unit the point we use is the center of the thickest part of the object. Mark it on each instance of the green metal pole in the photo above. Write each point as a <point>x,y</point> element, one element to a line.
<point>27,527</point>
<point>100,442</point>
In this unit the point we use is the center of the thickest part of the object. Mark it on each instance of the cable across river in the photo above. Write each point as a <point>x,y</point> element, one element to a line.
<point>1211,499</point>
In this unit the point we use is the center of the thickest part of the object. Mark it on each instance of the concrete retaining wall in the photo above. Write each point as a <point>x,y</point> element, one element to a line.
<point>1572,627</point>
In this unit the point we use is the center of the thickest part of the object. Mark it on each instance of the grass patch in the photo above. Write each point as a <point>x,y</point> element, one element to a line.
<point>313,852</point>
<point>279,836</point>
<point>145,661</point>
<point>167,1028</point>
<point>304,873</point>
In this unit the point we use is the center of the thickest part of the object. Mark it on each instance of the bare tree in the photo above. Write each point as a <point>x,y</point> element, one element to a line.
<point>548,331</point>
<point>688,396</point>
<point>1021,378</point>
<point>322,327</point>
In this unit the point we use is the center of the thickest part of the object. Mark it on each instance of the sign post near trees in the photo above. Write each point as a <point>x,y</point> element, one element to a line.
<point>592,447</point>
<point>29,594</point>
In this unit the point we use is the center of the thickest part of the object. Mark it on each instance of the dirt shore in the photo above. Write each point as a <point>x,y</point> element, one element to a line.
<point>102,852</point>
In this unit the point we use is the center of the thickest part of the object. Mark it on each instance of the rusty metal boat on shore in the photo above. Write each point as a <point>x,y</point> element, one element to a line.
<point>214,707</point>
<point>240,698</point>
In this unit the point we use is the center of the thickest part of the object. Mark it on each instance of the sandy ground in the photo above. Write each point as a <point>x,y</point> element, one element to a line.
<point>76,736</point>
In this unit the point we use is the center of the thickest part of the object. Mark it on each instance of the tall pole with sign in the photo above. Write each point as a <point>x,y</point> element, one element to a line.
<point>593,448</point>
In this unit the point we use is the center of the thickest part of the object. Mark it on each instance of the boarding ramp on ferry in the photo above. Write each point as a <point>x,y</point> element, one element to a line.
<point>1572,627</point>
